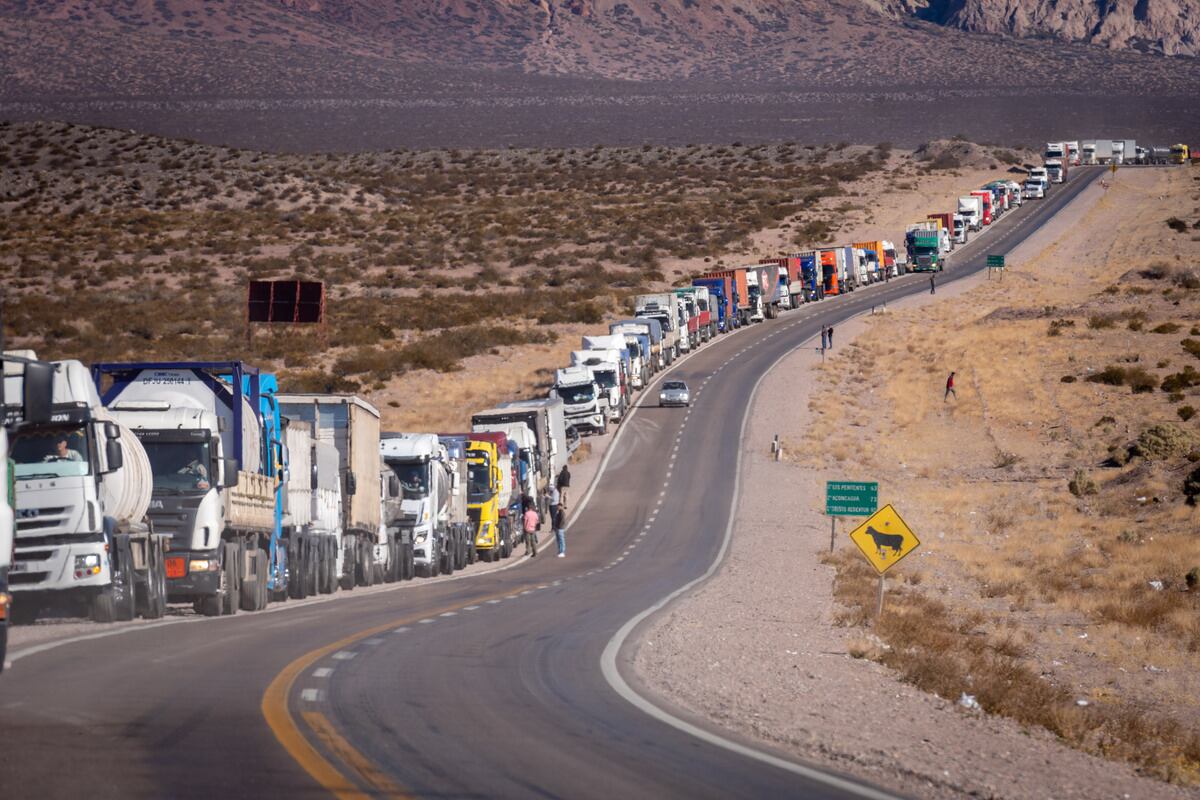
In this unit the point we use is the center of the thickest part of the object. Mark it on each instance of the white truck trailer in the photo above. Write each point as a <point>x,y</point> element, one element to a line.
<point>84,543</point>
<point>312,512</point>
<point>351,425</point>
<point>666,308</point>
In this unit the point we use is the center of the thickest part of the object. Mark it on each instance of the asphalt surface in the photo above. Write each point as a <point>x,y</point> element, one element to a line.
<point>486,687</point>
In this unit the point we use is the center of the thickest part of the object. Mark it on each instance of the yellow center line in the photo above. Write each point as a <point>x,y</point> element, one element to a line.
<point>276,711</point>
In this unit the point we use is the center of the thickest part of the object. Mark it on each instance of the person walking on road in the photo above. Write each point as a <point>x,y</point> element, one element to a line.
<point>830,337</point>
<point>562,483</point>
<point>560,529</point>
<point>530,522</point>
<point>950,388</point>
<point>824,338</point>
<point>932,285</point>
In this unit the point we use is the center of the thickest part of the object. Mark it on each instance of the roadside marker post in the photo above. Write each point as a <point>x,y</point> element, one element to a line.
<point>849,499</point>
<point>884,539</point>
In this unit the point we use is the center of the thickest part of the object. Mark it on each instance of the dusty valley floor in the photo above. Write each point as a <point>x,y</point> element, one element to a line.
<point>1052,585</point>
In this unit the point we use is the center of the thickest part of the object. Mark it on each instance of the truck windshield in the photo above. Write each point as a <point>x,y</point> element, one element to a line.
<point>179,467</point>
<point>413,477</point>
<point>573,395</point>
<point>479,488</point>
<point>59,453</point>
<point>606,379</point>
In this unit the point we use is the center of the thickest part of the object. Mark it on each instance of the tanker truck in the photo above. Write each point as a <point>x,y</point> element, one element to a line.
<point>212,431</point>
<point>83,485</point>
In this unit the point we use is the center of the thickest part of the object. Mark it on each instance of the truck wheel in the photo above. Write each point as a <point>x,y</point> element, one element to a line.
<point>312,565</point>
<point>233,584</point>
<point>295,569</point>
<point>462,550</point>
<point>104,607</point>
<point>155,603</point>
<point>505,543</point>
<point>248,590</point>
<point>472,552</point>
<point>435,559</point>
<point>123,592</point>
<point>365,574</point>
<point>349,565</point>
<point>263,569</point>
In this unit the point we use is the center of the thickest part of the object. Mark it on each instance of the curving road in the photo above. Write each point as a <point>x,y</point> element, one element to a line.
<point>489,686</point>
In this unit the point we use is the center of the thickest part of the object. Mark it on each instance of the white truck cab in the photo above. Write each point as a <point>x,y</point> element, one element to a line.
<point>581,395</point>
<point>432,493</point>
<point>607,368</point>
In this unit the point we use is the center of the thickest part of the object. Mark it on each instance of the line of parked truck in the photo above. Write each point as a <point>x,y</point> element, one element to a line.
<point>1103,152</point>
<point>134,485</point>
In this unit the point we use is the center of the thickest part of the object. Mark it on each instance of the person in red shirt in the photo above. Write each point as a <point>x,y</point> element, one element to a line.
<point>530,523</point>
<point>950,388</point>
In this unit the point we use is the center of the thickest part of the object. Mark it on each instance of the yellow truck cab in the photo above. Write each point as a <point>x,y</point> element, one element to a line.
<point>1179,154</point>
<point>493,540</point>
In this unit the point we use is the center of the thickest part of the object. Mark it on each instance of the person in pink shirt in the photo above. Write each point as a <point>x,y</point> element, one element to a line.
<point>530,521</point>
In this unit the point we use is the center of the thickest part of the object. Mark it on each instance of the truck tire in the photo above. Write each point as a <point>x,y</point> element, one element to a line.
<point>349,563</point>
<point>117,602</point>
<point>154,603</point>
<point>253,587</point>
<point>435,558</point>
<point>506,547</point>
<point>295,569</point>
<point>391,573</point>
<point>263,569</point>
<point>472,551</point>
<point>231,570</point>
<point>365,574</point>
<point>312,565</point>
<point>462,550</point>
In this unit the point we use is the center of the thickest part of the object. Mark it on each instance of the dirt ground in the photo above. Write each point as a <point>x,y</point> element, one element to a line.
<point>765,649</point>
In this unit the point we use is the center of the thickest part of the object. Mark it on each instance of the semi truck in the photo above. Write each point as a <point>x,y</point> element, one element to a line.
<point>762,288</point>
<point>1180,154</point>
<point>212,431</point>
<point>312,511</point>
<point>923,242</point>
<point>986,215</point>
<point>971,209</point>
<point>691,309</point>
<point>547,422</point>
<point>84,543</point>
<point>32,408</point>
<point>701,301</point>
<point>615,343</point>
<point>945,223</point>
<point>608,369</point>
<point>1055,171</point>
<point>804,277</point>
<point>637,345</point>
<point>665,308</point>
<point>649,335</point>
<point>486,496</point>
<point>832,275</point>
<point>351,425</point>
<point>577,388</point>
<point>722,301</point>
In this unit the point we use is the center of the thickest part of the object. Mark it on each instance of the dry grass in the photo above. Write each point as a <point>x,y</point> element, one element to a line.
<point>1057,531</point>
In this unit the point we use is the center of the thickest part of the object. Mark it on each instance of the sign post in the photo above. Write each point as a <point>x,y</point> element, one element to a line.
<point>995,263</point>
<point>884,539</point>
<point>849,499</point>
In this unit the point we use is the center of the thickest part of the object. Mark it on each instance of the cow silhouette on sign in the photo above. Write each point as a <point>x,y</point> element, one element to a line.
<point>895,541</point>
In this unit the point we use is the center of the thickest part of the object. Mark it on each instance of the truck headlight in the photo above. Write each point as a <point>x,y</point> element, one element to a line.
<point>421,538</point>
<point>204,565</point>
<point>87,566</point>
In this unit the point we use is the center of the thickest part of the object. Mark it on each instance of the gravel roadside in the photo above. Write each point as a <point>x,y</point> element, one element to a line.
<point>756,650</point>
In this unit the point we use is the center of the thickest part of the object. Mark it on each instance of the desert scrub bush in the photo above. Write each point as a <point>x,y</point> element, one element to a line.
<point>1166,327</point>
<point>1185,412</point>
<point>1191,346</point>
<point>1184,379</point>
<point>1163,441</point>
<point>1140,380</point>
<point>1098,322</point>
<point>1003,459</point>
<point>1176,224</point>
<point>1110,376</point>
<point>1058,325</point>
<point>1081,484</point>
<point>1191,486</point>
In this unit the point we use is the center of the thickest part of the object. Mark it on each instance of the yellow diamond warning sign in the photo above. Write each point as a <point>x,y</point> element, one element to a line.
<point>884,539</point>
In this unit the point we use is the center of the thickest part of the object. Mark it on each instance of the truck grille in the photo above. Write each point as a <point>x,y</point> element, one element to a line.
<point>473,516</point>
<point>42,521</point>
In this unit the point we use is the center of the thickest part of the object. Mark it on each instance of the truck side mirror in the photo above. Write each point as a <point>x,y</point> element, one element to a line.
<point>113,455</point>
<point>112,430</point>
<point>230,472</point>
<point>351,483</point>
<point>393,486</point>
<point>38,392</point>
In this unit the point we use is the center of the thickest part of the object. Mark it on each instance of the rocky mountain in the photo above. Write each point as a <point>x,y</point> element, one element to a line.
<point>1170,27</point>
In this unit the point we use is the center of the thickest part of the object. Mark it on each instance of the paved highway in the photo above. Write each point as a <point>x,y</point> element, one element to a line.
<point>493,685</point>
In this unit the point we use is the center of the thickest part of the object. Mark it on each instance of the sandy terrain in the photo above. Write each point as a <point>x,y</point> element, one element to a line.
<point>763,647</point>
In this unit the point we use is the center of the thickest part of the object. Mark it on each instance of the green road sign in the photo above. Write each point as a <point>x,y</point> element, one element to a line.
<point>844,499</point>
<point>995,261</point>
